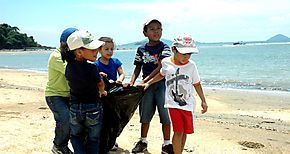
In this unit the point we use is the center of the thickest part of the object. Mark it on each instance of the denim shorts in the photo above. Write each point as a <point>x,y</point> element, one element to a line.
<point>154,97</point>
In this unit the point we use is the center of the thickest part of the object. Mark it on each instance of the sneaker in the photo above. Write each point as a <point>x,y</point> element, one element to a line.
<point>115,147</point>
<point>62,150</point>
<point>139,147</point>
<point>167,149</point>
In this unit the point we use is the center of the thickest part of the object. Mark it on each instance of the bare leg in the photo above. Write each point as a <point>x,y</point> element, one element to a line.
<point>183,141</point>
<point>177,142</point>
<point>166,131</point>
<point>144,129</point>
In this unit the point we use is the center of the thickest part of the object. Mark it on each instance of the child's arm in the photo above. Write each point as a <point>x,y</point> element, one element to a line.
<point>135,75</point>
<point>200,93</point>
<point>101,86</point>
<point>155,79</point>
<point>121,75</point>
<point>153,73</point>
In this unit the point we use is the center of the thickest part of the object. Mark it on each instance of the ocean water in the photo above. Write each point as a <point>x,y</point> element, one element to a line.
<point>250,66</point>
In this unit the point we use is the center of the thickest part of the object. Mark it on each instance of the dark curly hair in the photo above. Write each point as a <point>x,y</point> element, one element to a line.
<point>66,54</point>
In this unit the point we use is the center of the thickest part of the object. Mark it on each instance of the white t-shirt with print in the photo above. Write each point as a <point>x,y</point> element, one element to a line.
<point>179,84</point>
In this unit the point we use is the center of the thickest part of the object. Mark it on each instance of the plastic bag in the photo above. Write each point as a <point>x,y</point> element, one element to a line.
<point>119,107</point>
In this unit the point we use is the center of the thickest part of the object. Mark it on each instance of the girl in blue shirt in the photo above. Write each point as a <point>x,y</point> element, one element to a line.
<point>108,66</point>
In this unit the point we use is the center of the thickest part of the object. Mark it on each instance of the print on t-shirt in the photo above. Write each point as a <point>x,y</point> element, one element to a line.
<point>147,58</point>
<point>178,93</point>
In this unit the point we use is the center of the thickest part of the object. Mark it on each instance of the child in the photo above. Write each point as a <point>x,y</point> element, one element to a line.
<point>110,66</point>
<point>148,58</point>
<point>57,96</point>
<point>86,88</point>
<point>181,76</point>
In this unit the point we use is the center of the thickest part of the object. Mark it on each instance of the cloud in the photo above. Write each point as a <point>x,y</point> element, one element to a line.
<point>281,18</point>
<point>188,11</point>
<point>208,20</point>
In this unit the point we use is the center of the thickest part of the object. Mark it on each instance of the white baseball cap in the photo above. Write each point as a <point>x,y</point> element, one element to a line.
<point>83,39</point>
<point>148,21</point>
<point>185,44</point>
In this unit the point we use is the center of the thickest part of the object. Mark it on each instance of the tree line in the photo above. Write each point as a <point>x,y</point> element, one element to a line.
<point>11,38</point>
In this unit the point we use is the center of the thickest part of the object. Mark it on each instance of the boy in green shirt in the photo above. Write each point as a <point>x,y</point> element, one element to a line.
<point>57,96</point>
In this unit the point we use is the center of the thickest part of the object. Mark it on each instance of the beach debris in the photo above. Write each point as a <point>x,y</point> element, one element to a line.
<point>189,149</point>
<point>42,108</point>
<point>268,122</point>
<point>250,144</point>
<point>270,139</point>
<point>271,129</point>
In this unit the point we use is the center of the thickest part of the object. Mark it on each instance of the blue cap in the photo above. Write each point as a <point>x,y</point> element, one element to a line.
<point>66,33</point>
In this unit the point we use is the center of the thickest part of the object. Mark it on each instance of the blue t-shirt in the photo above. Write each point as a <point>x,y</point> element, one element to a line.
<point>83,78</point>
<point>111,69</point>
<point>148,57</point>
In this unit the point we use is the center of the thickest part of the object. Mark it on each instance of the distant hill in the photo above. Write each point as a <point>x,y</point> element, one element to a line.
<point>135,45</point>
<point>279,38</point>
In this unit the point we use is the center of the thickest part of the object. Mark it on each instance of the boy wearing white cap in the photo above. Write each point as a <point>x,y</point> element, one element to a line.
<point>86,89</point>
<point>181,76</point>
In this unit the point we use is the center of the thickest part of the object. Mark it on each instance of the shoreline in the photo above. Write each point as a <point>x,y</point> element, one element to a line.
<point>238,121</point>
<point>25,52</point>
<point>127,79</point>
<point>249,90</point>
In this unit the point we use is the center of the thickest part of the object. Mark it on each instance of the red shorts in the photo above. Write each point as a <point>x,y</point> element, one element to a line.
<point>182,121</point>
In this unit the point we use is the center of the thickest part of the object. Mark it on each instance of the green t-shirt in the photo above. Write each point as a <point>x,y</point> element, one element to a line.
<point>57,84</point>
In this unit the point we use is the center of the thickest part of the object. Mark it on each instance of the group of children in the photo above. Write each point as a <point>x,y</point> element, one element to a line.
<point>75,88</point>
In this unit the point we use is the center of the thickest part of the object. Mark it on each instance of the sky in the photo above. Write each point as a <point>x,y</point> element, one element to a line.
<point>205,20</point>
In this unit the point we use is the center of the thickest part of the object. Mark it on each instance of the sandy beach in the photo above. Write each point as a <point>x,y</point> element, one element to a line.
<point>238,121</point>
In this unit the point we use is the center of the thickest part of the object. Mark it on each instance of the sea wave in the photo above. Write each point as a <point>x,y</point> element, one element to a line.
<point>245,85</point>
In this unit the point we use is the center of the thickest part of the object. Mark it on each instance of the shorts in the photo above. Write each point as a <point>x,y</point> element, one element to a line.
<point>182,121</point>
<point>154,97</point>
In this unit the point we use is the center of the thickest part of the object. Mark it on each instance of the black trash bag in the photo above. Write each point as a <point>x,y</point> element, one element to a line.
<point>119,106</point>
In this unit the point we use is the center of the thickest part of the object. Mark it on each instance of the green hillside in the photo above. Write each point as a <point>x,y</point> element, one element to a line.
<point>11,38</point>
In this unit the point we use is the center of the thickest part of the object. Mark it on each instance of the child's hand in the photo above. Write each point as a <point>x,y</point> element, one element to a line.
<point>118,81</point>
<point>204,107</point>
<point>144,85</point>
<point>128,84</point>
<point>103,93</point>
<point>111,81</point>
<point>103,74</point>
